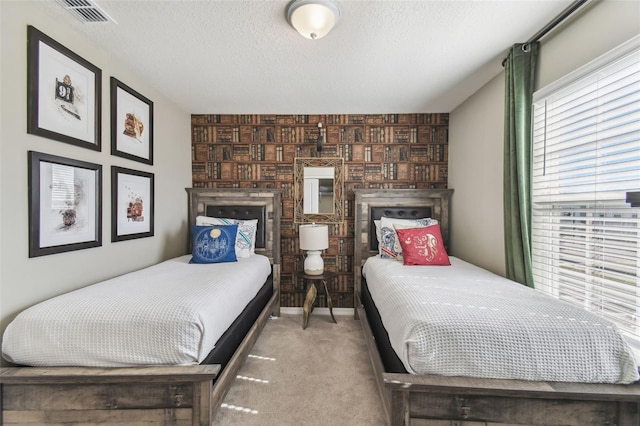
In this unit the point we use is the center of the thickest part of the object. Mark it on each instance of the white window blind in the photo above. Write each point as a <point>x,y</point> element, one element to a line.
<point>586,158</point>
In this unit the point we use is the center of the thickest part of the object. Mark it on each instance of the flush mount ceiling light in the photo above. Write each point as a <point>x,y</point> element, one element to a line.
<point>313,19</point>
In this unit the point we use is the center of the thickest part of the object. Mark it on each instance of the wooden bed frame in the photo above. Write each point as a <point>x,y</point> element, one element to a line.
<point>171,395</point>
<point>440,400</point>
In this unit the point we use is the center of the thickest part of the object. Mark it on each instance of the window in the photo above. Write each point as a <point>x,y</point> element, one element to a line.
<point>586,158</point>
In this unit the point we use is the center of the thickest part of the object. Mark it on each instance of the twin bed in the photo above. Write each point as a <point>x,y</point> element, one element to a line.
<point>482,369</point>
<point>161,345</point>
<point>457,345</point>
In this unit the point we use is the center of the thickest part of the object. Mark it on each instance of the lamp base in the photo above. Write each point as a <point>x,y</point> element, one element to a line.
<point>313,263</point>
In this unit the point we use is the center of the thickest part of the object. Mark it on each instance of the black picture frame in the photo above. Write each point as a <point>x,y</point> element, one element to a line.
<point>132,204</point>
<point>64,93</point>
<point>65,204</point>
<point>131,123</point>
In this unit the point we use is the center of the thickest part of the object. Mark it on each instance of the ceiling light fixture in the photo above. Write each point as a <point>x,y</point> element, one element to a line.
<point>313,19</point>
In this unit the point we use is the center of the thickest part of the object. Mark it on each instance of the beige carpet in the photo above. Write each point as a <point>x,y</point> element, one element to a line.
<point>318,376</point>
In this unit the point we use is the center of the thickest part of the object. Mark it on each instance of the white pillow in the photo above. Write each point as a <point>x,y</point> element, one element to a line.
<point>378,232</point>
<point>389,245</point>
<point>246,238</point>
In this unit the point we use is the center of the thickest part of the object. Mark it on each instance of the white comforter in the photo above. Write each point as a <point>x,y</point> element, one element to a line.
<point>461,320</point>
<point>169,313</point>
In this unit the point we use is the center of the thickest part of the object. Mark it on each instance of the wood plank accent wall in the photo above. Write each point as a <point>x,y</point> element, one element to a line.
<point>380,151</point>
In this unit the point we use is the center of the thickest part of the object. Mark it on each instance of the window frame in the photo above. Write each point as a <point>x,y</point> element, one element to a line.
<point>589,222</point>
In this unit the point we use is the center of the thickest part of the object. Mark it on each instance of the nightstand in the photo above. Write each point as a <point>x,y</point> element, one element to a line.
<point>312,291</point>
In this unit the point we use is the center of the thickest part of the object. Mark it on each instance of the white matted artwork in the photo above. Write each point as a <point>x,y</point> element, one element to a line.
<point>65,206</point>
<point>132,204</point>
<point>131,123</point>
<point>64,99</point>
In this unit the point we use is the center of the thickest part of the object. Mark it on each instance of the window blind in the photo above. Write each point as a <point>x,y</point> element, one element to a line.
<point>586,157</point>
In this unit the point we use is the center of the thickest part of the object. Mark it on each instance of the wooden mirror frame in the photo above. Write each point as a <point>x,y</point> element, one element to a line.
<point>338,190</point>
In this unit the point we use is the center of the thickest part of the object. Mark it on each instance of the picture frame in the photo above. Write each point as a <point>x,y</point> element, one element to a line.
<point>65,204</point>
<point>64,93</point>
<point>132,204</point>
<point>131,123</point>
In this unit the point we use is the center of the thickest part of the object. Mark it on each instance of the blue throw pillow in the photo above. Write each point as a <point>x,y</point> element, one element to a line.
<point>214,244</point>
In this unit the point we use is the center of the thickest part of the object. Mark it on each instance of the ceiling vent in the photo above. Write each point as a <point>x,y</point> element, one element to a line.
<point>86,11</point>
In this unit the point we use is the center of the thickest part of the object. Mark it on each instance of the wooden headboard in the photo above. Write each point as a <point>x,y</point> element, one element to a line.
<point>240,203</point>
<point>258,212</point>
<point>372,204</point>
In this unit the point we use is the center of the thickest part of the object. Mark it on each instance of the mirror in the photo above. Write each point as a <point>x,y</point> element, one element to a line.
<point>318,190</point>
<point>317,194</point>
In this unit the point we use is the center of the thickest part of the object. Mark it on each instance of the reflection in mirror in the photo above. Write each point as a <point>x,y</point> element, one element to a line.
<point>317,196</point>
<point>318,188</point>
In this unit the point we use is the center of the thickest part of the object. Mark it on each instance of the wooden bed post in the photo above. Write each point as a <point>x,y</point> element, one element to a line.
<point>400,412</point>
<point>276,290</point>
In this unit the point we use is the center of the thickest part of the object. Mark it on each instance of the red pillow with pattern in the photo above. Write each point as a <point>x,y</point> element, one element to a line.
<point>423,246</point>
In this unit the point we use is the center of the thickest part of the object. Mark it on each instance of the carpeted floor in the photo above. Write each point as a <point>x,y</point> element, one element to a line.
<point>318,376</point>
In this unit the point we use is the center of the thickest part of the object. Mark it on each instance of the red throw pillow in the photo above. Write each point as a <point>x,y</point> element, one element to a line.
<point>423,246</point>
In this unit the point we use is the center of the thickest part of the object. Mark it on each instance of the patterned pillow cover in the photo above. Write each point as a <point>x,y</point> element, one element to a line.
<point>389,245</point>
<point>214,244</point>
<point>423,246</point>
<point>246,239</point>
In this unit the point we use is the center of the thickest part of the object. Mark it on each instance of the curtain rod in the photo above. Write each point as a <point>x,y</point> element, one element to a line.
<point>570,10</point>
<point>566,13</point>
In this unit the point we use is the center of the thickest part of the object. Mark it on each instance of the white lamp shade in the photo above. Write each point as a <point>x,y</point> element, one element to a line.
<point>313,19</point>
<point>314,237</point>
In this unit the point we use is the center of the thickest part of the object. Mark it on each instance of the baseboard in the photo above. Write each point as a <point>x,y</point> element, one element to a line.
<point>319,311</point>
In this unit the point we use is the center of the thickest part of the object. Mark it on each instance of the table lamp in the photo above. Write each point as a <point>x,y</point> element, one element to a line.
<point>314,238</point>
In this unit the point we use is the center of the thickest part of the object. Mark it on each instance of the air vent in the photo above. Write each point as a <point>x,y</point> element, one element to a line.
<point>86,11</point>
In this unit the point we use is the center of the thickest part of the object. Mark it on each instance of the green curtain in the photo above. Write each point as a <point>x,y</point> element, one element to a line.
<point>519,81</point>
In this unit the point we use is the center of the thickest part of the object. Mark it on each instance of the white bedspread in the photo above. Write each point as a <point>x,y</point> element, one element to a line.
<point>169,313</point>
<point>461,320</point>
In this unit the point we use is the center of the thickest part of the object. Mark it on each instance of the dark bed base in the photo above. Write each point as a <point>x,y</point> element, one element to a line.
<point>231,339</point>
<point>388,356</point>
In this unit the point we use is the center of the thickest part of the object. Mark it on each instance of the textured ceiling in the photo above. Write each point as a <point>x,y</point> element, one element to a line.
<point>242,57</point>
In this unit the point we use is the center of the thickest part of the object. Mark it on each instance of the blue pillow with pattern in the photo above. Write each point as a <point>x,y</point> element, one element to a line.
<point>246,238</point>
<point>214,244</point>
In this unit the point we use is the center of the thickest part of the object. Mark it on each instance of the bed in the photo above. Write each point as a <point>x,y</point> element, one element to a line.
<point>455,398</point>
<point>181,383</point>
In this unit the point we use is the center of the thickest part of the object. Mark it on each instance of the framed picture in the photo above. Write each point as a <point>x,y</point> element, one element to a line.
<point>65,207</point>
<point>64,93</point>
<point>131,204</point>
<point>131,123</point>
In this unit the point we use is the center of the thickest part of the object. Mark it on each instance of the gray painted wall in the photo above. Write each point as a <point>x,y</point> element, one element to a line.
<point>476,128</point>
<point>24,281</point>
